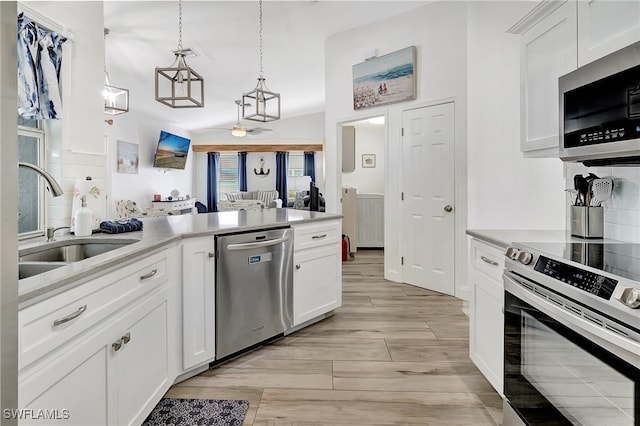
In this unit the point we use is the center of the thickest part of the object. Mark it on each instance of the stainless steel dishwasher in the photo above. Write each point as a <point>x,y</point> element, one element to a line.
<point>254,285</point>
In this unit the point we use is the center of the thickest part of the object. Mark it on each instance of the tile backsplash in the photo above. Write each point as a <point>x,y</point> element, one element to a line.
<point>622,211</point>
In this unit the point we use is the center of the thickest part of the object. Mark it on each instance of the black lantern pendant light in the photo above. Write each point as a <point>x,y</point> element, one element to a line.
<point>179,86</point>
<point>261,104</point>
<point>116,99</point>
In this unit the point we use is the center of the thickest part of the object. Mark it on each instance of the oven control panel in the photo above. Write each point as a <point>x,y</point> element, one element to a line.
<point>590,282</point>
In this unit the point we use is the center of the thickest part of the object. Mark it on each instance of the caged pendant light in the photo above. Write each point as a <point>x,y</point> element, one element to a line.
<point>267,103</point>
<point>116,99</point>
<point>179,86</point>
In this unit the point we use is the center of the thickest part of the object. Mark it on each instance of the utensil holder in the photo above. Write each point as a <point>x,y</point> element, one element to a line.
<point>587,222</point>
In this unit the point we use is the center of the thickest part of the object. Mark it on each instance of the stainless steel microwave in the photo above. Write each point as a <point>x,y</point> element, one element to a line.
<point>600,110</point>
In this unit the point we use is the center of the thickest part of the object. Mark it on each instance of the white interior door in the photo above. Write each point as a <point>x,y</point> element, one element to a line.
<point>428,191</point>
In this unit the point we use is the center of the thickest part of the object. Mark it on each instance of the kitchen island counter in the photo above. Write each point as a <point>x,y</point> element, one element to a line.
<point>157,233</point>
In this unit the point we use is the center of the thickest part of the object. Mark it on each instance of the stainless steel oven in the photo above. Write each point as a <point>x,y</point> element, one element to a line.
<point>572,334</point>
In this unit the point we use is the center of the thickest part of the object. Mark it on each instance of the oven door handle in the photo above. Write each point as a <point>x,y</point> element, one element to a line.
<point>624,348</point>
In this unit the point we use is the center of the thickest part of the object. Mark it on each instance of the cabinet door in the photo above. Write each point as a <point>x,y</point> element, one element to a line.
<point>549,50</point>
<point>143,373</point>
<point>348,149</point>
<point>198,315</point>
<point>317,282</point>
<point>605,26</point>
<point>486,324</point>
<point>74,387</point>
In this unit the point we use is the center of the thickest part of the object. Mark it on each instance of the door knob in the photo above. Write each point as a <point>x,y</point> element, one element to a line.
<point>448,208</point>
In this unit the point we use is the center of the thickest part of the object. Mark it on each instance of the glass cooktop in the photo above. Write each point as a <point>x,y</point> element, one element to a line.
<point>620,259</point>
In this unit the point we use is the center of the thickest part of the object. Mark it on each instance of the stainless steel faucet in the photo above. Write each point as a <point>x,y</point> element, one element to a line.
<point>56,189</point>
<point>50,231</point>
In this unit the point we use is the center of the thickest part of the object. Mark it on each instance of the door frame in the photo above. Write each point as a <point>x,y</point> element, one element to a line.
<point>393,185</point>
<point>361,117</point>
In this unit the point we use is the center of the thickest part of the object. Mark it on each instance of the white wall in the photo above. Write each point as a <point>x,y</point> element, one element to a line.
<point>506,191</point>
<point>439,32</point>
<point>304,129</point>
<point>369,140</point>
<point>144,131</point>
<point>8,210</point>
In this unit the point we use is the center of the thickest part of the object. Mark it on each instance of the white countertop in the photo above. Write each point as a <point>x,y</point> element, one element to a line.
<point>157,232</point>
<point>503,238</point>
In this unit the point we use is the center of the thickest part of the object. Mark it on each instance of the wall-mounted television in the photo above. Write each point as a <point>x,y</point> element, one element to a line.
<point>172,151</point>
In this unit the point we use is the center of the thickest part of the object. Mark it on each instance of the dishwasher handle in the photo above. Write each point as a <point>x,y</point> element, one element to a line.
<point>266,243</point>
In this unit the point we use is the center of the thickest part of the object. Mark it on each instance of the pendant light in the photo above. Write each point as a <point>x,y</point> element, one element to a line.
<point>116,99</point>
<point>267,103</point>
<point>179,86</point>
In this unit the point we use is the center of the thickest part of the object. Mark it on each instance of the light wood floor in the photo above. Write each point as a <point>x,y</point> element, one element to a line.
<point>393,354</point>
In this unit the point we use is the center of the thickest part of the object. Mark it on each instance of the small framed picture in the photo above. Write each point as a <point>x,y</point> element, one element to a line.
<point>368,160</point>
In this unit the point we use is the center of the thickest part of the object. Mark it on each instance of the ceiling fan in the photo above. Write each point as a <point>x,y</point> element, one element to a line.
<point>238,130</point>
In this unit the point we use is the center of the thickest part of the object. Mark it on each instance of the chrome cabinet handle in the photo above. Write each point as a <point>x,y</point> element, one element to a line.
<point>126,338</point>
<point>149,275</point>
<point>298,266</point>
<point>266,243</point>
<point>318,237</point>
<point>489,261</point>
<point>117,345</point>
<point>71,316</point>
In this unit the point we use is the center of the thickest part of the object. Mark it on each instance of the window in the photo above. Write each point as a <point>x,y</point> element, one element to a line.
<point>296,164</point>
<point>228,173</point>
<point>30,185</point>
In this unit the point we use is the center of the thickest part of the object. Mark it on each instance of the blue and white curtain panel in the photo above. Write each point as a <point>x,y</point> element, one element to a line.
<point>39,63</point>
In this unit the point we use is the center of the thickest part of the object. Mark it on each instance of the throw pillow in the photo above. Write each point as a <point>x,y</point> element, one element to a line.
<point>234,196</point>
<point>266,197</point>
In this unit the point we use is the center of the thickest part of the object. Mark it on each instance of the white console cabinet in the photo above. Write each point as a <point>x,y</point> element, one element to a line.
<point>486,318</point>
<point>317,275</point>
<point>198,307</point>
<point>99,352</point>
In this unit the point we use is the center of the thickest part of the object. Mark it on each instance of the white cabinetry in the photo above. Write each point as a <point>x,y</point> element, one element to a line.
<point>198,307</point>
<point>100,350</point>
<point>548,50</point>
<point>605,26</point>
<point>317,275</point>
<point>486,319</point>
<point>557,37</point>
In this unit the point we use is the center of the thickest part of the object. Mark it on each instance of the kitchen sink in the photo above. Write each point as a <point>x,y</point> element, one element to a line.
<point>43,258</point>
<point>29,269</point>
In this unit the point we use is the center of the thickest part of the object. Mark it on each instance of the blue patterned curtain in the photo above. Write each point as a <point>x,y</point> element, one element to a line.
<point>39,63</point>
<point>282,165</point>
<point>310,165</point>
<point>242,171</point>
<point>213,177</point>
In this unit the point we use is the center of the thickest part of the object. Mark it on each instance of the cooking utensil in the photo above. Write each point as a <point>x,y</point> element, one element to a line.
<point>601,190</point>
<point>576,186</point>
<point>583,189</point>
<point>573,193</point>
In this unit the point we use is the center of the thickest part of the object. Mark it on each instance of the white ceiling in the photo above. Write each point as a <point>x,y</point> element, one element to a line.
<point>144,34</point>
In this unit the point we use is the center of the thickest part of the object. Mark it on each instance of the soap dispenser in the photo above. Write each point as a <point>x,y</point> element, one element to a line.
<point>83,219</point>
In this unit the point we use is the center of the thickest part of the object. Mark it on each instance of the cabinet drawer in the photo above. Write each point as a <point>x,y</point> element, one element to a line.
<point>52,322</point>
<point>487,258</point>
<point>317,234</point>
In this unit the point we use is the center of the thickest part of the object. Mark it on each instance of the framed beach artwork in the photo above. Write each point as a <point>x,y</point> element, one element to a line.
<point>385,79</point>
<point>128,157</point>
